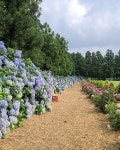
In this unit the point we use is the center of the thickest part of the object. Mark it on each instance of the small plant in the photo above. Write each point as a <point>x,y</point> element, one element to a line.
<point>113,110</point>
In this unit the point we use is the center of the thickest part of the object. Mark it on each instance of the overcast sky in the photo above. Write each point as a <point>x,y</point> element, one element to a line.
<point>86,24</point>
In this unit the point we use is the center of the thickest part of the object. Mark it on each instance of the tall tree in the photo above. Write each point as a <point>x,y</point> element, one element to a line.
<point>109,62</point>
<point>94,65</point>
<point>22,28</point>
<point>117,65</point>
<point>57,58</point>
<point>79,63</point>
<point>88,61</point>
<point>99,65</point>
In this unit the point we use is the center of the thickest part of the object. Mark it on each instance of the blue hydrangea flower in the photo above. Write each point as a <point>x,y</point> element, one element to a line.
<point>33,79</point>
<point>16,61</point>
<point>12,64</point>
<point>33,102</point>
<point>33,66</point>
<point>27,105</point>
<point>38,73</point>
<point>2,125</point>
<point>17,112</point>
<point>3,109</point>
<point>4,115</point>
<point>29,111</point>
<point>2,57</point>
<point>33,96</point>
<point>14,78</point>
<point>0,135</point>
<point>25,80</point>
<point>44,96</point>
<point>7,63</point>
<point>3,103</point>
<point>0,62</point>
<point>23,74</point>
<point>16,105</point>
<point>9,77</point>
<point>30,84</point>
<point>18,54</point>
<point>12,112</point>
<point>50,96</point>
<point>7,123</point>
<point>37,88</point>
<point>2,47</point>
<point>15,68</point>
<point>13,120</point>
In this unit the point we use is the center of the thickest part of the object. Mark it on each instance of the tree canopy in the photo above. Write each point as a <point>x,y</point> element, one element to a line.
<point>20,28</point>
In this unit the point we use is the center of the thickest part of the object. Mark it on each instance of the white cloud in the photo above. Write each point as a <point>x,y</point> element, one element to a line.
<point>75,13</point>
<point>85,24</point>
<point>70,12</point>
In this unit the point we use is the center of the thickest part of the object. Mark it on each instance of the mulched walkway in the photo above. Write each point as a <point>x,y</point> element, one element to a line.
<point>73,124</point>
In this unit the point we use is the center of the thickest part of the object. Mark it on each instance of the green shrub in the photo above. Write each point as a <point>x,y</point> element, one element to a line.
<point>114,115</point>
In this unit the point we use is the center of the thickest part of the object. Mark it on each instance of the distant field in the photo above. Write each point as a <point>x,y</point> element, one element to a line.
<point>115,82</point>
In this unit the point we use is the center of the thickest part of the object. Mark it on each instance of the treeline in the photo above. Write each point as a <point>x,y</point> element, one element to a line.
<point>96,65</point>
<point>20,28</point>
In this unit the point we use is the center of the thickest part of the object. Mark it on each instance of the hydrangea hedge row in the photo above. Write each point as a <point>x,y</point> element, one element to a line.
<point>24,89</point>
<point>106,97</point>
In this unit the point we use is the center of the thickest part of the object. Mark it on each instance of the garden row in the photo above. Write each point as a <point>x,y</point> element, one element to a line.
<point>106,97</point>
<point>25,89</point>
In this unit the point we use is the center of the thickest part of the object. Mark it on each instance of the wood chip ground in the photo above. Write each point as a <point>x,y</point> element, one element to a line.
<point>73,124</point>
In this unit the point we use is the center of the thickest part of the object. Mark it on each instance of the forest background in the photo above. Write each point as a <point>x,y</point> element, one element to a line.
<point>21,28</point>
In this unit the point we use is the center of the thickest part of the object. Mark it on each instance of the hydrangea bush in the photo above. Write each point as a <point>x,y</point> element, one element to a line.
<point>24,89</point>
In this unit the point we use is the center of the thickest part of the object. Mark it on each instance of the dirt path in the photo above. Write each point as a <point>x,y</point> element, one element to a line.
<point>74,124</point>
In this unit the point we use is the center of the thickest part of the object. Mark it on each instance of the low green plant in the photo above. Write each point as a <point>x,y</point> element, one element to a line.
<point>114,115</point>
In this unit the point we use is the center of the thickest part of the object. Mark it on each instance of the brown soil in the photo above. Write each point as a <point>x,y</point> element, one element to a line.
<point>73,124</point>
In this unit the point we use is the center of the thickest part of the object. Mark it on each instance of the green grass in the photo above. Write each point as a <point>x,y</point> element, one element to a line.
<point>115,82</point>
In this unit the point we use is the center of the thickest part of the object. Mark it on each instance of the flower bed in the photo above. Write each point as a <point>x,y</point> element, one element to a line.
<point>24,89</point>
<point>106,97</point>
